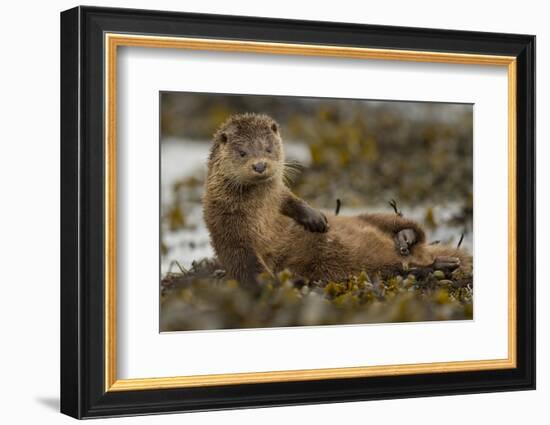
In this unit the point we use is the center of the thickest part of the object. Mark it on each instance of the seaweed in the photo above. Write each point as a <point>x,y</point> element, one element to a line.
<point>203,297</point>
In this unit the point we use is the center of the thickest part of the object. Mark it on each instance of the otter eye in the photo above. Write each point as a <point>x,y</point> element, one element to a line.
<point>242,154</point>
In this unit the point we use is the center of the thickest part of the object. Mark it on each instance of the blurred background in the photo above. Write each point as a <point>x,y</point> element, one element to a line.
<point>363,152</point>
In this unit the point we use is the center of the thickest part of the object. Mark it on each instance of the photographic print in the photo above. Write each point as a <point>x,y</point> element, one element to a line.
<point>284,211</point>
<point>343,216</point>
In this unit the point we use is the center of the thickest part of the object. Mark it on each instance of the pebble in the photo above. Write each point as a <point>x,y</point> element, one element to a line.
<point>218,274</point>
<point>438,274</point>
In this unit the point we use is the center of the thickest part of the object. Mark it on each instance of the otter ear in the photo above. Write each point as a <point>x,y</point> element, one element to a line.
<point>223,137</point>
<point>274,128</point>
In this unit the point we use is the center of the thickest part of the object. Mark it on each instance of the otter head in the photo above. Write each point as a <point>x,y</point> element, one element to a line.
<point>248,149</point>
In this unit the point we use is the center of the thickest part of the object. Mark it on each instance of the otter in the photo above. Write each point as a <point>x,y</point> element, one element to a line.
<point>257,224</point>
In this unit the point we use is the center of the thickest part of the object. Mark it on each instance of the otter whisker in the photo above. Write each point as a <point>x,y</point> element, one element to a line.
<point>291,170</point>
<point>293,167</point>
<point>288,180</point>
<point>294,164</point>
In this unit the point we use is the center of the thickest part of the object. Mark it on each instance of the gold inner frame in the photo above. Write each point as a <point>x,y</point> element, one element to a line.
<point>113,41</point>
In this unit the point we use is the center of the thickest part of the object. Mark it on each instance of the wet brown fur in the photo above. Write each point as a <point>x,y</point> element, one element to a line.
<point>257,224</point>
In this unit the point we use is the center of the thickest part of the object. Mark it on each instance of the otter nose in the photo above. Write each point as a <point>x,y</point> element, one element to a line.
<point>259,167</point>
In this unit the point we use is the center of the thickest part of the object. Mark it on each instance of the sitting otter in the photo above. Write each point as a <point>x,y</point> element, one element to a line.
<point>257,224</point>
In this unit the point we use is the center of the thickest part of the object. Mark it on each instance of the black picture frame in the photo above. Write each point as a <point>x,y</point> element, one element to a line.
<point>83,392</point>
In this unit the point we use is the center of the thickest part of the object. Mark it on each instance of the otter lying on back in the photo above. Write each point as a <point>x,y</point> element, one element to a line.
<point>257,224</point>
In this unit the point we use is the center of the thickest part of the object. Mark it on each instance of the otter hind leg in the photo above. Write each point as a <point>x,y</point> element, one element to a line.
<point>446,263</point>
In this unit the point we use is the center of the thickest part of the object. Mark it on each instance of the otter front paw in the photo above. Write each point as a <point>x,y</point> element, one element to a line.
<point>404,239</point>
<point>313,220</point>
